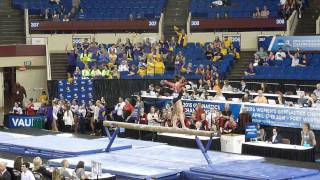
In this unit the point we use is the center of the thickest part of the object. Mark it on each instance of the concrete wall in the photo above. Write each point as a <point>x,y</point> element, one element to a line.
<point>33,80</point>
<point>58,42</point>
<point>19,61</point>
<point>249,40</point>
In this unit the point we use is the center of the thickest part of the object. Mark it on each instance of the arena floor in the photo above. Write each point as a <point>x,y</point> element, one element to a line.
<point>162,155</point>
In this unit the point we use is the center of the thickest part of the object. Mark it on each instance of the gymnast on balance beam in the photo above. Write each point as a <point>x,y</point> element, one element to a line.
<point>178,89</point>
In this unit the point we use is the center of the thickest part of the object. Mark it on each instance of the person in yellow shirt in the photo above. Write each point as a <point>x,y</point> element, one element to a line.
<point>260,99</point>
<point>43,97</point>
<point>85,72</point>
<point>85,57</point>
<point>227,42</point>
<point>95,72</point>
<point>182,37</point>
<point>150,67</point>
<point>142,71</point>
<point>236,54</point>
<point>106,72</point>
<point>158,66</point>
<point>224,50</point>
<point>154,54</point>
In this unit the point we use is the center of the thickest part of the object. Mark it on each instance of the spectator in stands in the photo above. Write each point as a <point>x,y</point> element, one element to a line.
<point>317,90</point>
<point>265,12</point>
<point>250,71</point>
<point>179,62</point>
<point>4,174</point>
<point>203,123</point>
<point>217,42</point>
<point>227,113</point>
<point>303,61</point>
<point>260,99</point>
<point>211,119</point>
<point>227,42</point>
<point>123,67</point>
<point>182,37</point>
<point>280,55</point>
<point>226,86</point>
<point>280,99</point>
<point>294,59</point>
<point>127,109</point>
<point>217,55</point>
<point>86,56</point>
<point>244,119</point>
<point>230,125</point>
<point>262,53</point>
<point>270,59</point>
<point>275,138</point>
<point>16,109</point>
<point>313,101</point>
<point>302,100</point>
<point>85,73</point>
<point>143,119</point>
<point>68,119</point>
<point>159,67</point>
<point>243,86</point>
<point>261,134</point>
<point>26,174</point>
<point>118,114</point>
<point>55,16</point>
<point>19,93</point>
<point>256,13</point>
<point>17,164</point>
<point>65,18</point>
<point>30,108</point>
<point>257,60</point>
<point>246,97</point>
<point>209,52</point>
<point>153,117</point>
<point>219,96</point>
<point>307,136</point>
<point>80,172</point>
<point>38,167</point>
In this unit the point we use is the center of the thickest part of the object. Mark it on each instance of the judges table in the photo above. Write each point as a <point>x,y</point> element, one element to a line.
<point>282,151</point>
<point>187,140</point>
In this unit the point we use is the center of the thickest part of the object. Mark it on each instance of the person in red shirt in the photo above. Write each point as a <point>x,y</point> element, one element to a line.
<point>127,108</point>
<point>142,117</point>
<point>203,123</point>
<point>30,108</point>
<point>199,111</point>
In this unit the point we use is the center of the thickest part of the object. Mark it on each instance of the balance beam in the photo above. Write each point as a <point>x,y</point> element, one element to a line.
<point>161,129</point>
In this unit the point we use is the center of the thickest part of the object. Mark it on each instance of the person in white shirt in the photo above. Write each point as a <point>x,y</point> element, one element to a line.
<point>294,59</point>
<point>55,111</point>
<point>74,107</point>
<point>119,110</point>
<point>211,117</point>
<point>95,112</point>
<point>317,91</point>
<point>226,86</point>
<point>123,67</point>
<point>16,109</point>
<point>280,55</point>
<point>68,119</point>
<point>26,174</point>
<point>219,96</point>
<point>153,117</point>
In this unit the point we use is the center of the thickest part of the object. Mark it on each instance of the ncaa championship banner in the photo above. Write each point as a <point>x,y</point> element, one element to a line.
<point>292,43</point>
<point>267,115</point>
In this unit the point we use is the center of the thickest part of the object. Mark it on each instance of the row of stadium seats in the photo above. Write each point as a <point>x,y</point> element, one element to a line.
<point>244,8</point>
<point>290,73</point>
<point>101,9</point>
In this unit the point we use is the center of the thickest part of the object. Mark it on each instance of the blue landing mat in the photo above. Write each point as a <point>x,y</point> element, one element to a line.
<point>164,160</point>
<point>55,146</point>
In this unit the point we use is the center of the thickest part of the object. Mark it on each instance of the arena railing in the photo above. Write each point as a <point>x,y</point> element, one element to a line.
<point>318,25</point>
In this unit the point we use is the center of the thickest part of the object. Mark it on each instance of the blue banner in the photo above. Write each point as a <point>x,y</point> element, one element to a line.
<point>292,43</point>
<point>284,116</point>
<point>20,121</point>
<point>81,90</point>
<point>251,131</point>
<point>264,41</point>
<point>267,115</point>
